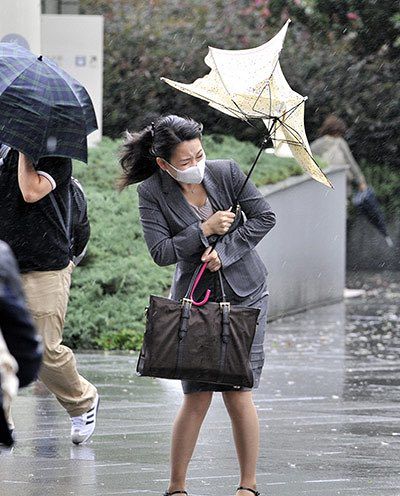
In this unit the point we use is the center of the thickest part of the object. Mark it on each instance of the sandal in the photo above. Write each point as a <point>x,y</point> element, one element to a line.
<point>174,492</point>
<point>241,488</point>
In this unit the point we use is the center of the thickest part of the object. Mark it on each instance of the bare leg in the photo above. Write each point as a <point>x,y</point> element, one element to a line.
<point>246,433</point>
<point>185,432</point>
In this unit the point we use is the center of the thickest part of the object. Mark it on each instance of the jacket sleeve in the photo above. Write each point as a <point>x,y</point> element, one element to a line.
<point>165,249</point>
<point>259,221</point>
<point>16,323</point>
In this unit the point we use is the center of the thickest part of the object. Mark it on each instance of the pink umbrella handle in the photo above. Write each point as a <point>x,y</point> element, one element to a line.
<point>196,282</point>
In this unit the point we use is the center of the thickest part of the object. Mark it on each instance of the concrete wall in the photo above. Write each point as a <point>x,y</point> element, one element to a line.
<point>75,42</point>
<point>20,22</point>
<point>305,253</point>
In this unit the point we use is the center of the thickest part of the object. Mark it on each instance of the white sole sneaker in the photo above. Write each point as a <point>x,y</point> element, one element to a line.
<point>84,425</point>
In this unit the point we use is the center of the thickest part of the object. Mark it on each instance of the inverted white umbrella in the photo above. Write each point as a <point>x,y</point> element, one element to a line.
<point>249,84</point>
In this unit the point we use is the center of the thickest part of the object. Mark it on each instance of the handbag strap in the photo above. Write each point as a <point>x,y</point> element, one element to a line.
<point>221,286</point>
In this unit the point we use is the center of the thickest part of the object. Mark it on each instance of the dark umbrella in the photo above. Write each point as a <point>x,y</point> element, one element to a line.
<point>367,203</point>
<point>43,110</point>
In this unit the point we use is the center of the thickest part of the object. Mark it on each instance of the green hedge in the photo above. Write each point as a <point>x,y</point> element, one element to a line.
<point>111,287</point>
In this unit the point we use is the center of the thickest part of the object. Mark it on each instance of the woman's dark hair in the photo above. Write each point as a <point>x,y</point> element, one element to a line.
<point>334,126</point>
<point>140,149</point>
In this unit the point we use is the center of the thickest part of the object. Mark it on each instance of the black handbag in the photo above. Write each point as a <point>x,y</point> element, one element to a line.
<point>198,341</point>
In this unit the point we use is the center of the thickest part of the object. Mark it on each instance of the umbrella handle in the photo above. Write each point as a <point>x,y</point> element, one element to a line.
<point>235,208</point>
<point>196,282</point>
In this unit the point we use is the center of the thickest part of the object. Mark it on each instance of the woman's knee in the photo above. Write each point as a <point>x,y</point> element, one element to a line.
<point>237,402</point>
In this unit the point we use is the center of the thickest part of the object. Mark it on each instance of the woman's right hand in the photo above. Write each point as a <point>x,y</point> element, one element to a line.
<point>218,223</point>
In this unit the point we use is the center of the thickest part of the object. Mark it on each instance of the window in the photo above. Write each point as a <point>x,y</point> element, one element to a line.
<point>60,6</point>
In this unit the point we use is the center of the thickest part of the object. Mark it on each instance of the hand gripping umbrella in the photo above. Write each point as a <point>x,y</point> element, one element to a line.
<point>249,84</point>
<point>43,110</point>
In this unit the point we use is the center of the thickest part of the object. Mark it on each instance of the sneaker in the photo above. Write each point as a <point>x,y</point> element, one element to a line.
<point>83,425</point>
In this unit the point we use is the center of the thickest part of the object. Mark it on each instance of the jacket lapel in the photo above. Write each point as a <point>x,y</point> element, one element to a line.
<point>175,199</point>
<point>215,193</point>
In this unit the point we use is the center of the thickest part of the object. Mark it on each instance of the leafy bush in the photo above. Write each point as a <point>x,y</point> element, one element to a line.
<point>110,289</point>
<point>125,339</point>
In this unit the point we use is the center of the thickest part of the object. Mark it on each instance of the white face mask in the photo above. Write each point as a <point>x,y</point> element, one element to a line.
<point>191,175</point>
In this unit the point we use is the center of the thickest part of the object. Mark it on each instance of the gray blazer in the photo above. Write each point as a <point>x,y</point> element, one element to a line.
<point>174,236</point>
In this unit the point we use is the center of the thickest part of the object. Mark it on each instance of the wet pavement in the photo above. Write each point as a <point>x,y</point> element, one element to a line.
<point>328,406</point>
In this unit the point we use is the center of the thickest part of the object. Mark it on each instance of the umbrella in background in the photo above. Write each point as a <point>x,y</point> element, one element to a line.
<point>367,203</point>
<point>43,110</point>
<point>249,84</point>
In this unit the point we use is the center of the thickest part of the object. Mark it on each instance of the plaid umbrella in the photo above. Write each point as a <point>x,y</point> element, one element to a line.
<point>43,110</point>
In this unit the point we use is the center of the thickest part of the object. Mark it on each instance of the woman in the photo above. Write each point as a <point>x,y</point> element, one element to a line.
<point>333,148</point>
<point>184,204</point>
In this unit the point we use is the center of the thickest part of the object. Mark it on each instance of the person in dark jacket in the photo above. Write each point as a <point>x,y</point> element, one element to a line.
<point>20,338</point>
<point>30,225</point>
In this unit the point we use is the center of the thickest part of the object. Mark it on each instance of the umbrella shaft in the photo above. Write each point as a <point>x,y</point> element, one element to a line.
<point>263,144</point>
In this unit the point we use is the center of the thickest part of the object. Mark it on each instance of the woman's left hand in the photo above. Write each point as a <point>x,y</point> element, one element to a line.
<point>212,258</point>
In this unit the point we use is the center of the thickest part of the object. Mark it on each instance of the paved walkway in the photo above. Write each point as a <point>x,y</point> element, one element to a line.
<point>328,406</point>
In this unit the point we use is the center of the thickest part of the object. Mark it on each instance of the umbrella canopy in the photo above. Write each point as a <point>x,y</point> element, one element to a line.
<point>249,84</point>
<point>43,110</point>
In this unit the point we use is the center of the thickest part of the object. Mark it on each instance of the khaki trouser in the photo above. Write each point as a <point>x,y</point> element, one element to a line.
<point>47,296</point>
